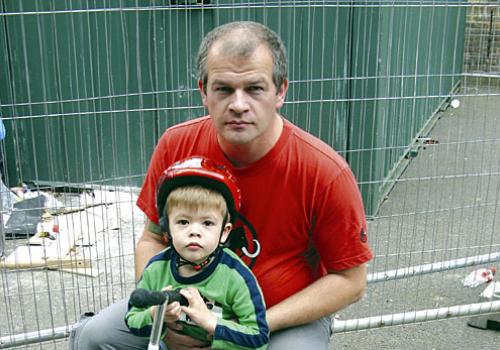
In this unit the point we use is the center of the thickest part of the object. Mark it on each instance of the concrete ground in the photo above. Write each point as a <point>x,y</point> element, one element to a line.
<point>445,206</point>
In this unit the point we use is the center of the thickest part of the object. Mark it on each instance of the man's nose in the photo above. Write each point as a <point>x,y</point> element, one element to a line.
<point>239,102</point>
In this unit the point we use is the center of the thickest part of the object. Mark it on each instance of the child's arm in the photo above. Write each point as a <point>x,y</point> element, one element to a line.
<point>140,320</point>
<point>242,295</point>
<point>250,330</point>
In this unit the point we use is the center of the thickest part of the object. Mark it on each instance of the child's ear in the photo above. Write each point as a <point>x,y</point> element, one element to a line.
<point>225,232</point>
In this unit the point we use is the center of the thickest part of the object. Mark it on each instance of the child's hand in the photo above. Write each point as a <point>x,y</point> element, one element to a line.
<point>198,311</point>
<point>172,311</point>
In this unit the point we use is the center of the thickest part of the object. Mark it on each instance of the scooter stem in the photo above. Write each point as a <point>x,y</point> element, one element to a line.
<point>154,339</point>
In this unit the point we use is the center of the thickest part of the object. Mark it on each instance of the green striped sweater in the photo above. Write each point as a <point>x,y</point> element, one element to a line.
<point>230,290</point>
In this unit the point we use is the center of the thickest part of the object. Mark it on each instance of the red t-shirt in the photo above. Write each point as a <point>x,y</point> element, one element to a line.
<point>301,197</point>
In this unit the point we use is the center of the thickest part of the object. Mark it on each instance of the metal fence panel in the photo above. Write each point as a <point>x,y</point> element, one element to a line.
<point>87,87</point>
<point>406,61</point>
<point>79,93</point>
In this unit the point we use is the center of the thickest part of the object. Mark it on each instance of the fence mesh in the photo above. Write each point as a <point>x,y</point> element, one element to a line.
<point>407,91</point>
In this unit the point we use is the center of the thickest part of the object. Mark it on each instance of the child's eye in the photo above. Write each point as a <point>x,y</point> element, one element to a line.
<point>208,223</point>
<point>182,222</point>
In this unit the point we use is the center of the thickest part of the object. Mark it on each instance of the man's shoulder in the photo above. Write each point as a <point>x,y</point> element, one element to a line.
<point>314,151</point>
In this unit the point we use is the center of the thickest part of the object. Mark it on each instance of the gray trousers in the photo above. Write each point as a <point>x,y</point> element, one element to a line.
<point>107,331</point>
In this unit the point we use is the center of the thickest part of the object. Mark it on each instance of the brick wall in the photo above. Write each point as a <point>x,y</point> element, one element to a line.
<point>482,38</point>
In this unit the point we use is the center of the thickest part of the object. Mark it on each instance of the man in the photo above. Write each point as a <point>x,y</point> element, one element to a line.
<point>299,194</point>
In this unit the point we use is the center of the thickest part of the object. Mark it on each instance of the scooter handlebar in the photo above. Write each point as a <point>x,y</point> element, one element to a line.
<point>143,298</point>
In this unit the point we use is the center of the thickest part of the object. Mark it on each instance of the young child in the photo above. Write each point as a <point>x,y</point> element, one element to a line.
<point>198,202</point>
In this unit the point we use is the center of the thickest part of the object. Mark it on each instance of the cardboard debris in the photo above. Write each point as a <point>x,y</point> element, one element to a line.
<point>26,257</point>
<point>44,251</point>
<point>56,249</point>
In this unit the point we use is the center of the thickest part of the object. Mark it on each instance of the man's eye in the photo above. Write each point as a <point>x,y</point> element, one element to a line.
<point>255,88</point>
<point>223,89</point>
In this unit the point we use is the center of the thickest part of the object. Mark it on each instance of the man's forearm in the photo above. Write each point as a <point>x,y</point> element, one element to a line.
<point>147,246</point>
<point>327,295</point>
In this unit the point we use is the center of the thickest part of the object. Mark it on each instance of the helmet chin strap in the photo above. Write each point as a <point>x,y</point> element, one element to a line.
<point>196,266</point>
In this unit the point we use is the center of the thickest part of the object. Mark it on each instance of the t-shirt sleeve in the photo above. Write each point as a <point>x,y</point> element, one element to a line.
<point>340,231</point>
<point>147,197</point>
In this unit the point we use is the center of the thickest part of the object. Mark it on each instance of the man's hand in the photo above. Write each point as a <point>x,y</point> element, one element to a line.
<point>178,341</point>
<point>327,295</point>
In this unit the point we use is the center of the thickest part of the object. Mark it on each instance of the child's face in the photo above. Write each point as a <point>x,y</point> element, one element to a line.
<point>195,234</point>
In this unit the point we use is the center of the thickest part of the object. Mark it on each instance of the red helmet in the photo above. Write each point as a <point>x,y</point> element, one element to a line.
<point>198,171</point>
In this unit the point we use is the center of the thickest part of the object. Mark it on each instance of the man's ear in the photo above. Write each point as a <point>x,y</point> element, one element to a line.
<point>202,92</point>
<point>281,94</point>
<point>225,232</point>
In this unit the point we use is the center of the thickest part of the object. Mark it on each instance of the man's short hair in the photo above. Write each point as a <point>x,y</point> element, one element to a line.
<point>254,34</point>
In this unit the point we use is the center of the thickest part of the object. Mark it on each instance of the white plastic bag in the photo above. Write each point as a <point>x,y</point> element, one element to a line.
<point>480,276</point>
<point>8,198</point>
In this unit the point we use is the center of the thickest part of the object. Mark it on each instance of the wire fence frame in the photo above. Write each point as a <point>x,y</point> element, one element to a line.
<point>395,219</point>
<point>340,326</point>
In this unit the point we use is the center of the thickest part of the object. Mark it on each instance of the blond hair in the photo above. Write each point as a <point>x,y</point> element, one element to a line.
<point>196,198</point>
